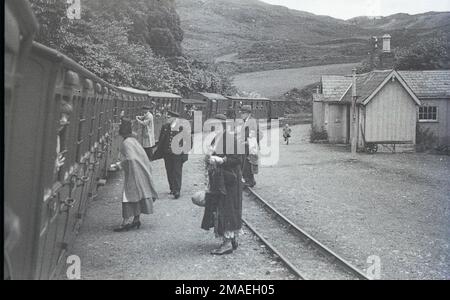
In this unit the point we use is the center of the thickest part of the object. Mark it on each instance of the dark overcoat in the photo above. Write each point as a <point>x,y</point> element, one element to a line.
<point>164,148</point>
<point>225,196</point>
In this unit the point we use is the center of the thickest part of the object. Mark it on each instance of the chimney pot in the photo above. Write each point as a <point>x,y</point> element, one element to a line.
<point>386,43</point>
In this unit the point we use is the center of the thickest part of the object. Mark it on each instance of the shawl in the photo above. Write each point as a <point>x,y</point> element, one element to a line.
<point>138,183</point>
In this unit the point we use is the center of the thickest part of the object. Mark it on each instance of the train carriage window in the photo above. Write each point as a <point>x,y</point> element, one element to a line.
<point>100,119</point>
<point>136,107</point>
<point>92,123</point>
<point>65,112</point>
<point>105,114</point>
<point>110,114</point>
<point>86,116</point>
<point>72,131</point>
<point>81,125</point>
<point>131,107</point>
<point>115,113</point>
<point>122,106</point>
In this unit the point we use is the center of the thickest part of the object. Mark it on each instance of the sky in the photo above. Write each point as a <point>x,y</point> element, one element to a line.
<point>346,9</point>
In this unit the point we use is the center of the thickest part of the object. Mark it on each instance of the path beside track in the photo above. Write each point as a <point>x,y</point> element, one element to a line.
<point>170,245</point>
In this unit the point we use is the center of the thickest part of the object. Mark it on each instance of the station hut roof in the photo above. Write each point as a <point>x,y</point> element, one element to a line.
<point>339,88</point>
<point>335,86</point>
<point>366,85</point>
<point>428,84</point>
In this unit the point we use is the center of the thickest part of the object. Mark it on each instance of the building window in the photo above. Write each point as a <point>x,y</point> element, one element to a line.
<point>427,113</point>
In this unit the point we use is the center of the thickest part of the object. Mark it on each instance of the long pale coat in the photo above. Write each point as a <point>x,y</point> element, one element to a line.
<point>138,183</point>
<point>148,131</point>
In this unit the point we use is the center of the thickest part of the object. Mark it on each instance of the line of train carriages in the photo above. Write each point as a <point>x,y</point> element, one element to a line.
<point>209,104</point>
<point>49,196</point>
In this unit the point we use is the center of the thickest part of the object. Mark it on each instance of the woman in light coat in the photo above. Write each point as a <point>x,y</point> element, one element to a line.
<point>139,192</point>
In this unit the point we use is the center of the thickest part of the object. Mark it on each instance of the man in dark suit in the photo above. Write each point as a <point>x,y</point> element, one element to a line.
<point>173,162</point>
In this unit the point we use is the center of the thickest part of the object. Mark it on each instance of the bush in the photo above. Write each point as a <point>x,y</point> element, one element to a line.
<point>317,134</point>
<point>443,149</point>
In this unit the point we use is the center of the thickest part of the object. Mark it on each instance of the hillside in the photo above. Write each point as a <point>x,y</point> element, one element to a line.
<point>250,35</point>
<point>430,20</point>
<point>275,83</point>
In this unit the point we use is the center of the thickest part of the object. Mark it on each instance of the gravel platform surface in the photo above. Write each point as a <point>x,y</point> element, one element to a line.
<point>170,245</point>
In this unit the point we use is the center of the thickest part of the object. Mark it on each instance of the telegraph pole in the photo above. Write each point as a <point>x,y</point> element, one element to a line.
<point>354,125</point>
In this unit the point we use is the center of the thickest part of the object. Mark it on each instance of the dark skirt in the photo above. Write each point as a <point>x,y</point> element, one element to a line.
<point>136,208</point>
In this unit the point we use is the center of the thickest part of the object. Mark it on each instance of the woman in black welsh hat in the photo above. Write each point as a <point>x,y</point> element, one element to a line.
<point>139,190</point>
<point>223,210</point>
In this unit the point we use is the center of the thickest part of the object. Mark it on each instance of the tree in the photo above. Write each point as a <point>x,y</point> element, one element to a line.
<point>113,40</point>
<point>52,18</point>
<point>428,54</point>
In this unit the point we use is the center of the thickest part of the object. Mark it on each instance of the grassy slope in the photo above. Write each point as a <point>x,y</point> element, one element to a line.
<point>258,31</point>
<point>277,82</point>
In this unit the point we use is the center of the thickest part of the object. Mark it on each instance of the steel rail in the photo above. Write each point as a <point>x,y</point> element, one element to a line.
<point>310,239</point>
<point>274,250</point>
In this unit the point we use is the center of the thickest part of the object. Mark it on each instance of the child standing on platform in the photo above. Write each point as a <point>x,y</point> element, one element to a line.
<point>287,131</point>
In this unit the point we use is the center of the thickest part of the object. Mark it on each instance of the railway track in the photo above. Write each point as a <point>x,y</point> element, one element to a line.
<point>306,257</point>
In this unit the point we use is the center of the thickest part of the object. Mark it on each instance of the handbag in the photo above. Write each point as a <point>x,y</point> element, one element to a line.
<point>199,198</point>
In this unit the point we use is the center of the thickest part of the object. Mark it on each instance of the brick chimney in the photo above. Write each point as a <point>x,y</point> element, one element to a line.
<point>387,58</point>
<point>386,43</point>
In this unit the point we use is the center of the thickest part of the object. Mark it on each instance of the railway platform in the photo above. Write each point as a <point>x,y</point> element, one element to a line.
<point>170,245</point>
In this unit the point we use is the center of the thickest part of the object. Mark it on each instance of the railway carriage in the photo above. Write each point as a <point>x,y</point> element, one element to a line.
<point>215,103</point>
<point>165,101</point>
<point>161,102</point>
<point>260,106</point>
<point>189,107</point>
<point>20,27</point>
<point>277,108</point>
<point>48,194</point>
